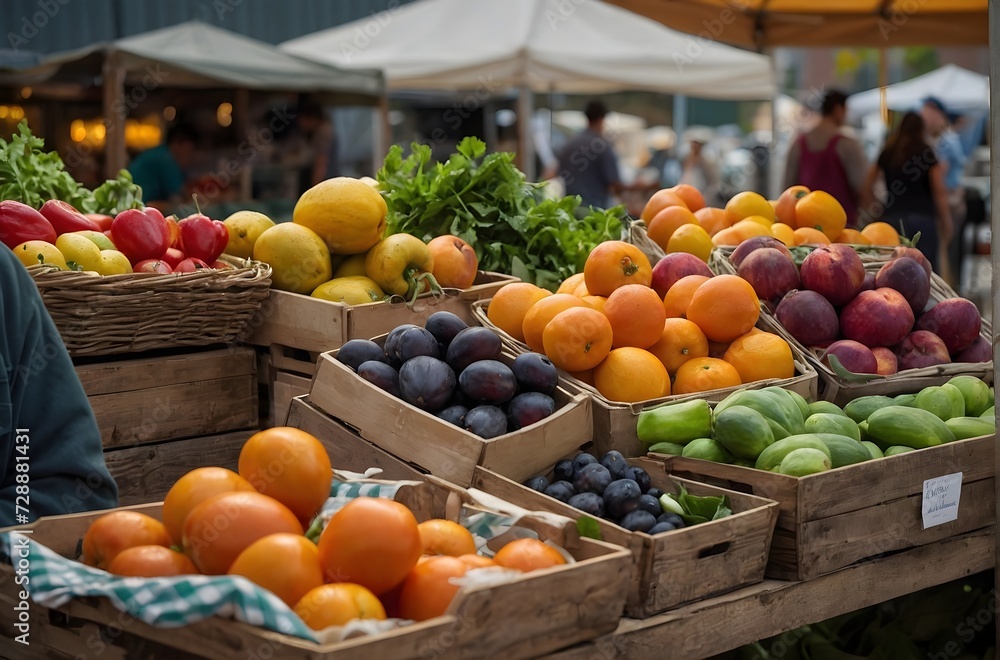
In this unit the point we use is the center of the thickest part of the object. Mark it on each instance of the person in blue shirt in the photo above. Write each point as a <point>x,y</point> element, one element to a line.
<point>948,147</point>
<point>51,456</point>
<point>160,171</point>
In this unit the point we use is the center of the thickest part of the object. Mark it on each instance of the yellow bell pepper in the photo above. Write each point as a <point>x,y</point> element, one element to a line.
<point>400,264</point>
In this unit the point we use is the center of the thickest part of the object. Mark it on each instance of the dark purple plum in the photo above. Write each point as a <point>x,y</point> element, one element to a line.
<point>561,490</point>
<point>638,475</point>
<point>563,470</point>
<point>650,504</point>
<point>389,346</point>
<point>486,421</point>
<point>488,382</point>
<point>581,460</point>
<point>661,527</point>
<point>413,342</point>
<point>528,408</point>
<point>426,383</point>
<point>671,519</point>
<point>621,497</point>
<point>380,375</point>
<point>638,521</point>
<point>454,415</point>
<point>653,492</point>
<point>535,373</point>
<point>537,483</point>
<point>593,478</point>
<point>589,503</point>
<point>358,351</point>
<point>444,326</point>
<point>616,464</point>
<point>471,345</point>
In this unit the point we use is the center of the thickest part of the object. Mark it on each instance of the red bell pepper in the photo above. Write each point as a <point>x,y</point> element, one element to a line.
<point>203,238</point>
<point>65,219</point>
<point>101,220</point>
<point>19,223</point>
<point>140,235</point>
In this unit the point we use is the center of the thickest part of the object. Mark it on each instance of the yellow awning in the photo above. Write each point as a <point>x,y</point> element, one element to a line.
<point>821,23</point>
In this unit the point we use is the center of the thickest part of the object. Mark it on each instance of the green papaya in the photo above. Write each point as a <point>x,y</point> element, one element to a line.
<point>989,413</point>
<point>805,461</point>
<point>670,448</point>
<point>707,449</point>
<point>844,450</point>
<point>743,431</point>
<point>826,407</point>
<point>909,427</point>
<point>897,449</point>
<point>861,408</point>
<point>863,429</point>
<point>969,427</point>
<point>678,422</point>
<point>829,423</point>
<point>957,400</point>
<point>771,457</point>
<point>908,400</point>
<point>780,411</point>
<point>801,402</point>
<point>944,401</point>
<point>791,403</point>
<point>872,449</point>
<point>975,392</point>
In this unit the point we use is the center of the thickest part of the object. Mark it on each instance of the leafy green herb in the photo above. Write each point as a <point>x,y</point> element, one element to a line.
<point>588,528</point>
<point>117,195</point>
<point>701,508</point>
<point>487,202</point>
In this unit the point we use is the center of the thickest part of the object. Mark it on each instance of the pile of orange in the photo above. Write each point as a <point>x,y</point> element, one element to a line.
<point>609,328</point>
<point>373,559</point>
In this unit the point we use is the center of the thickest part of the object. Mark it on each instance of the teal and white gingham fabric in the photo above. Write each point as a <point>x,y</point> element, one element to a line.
<point>179,601</point>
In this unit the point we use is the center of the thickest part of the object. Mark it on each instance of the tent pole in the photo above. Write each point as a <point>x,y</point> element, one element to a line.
<point>383,132</point>
<point>775,163</point>
<point>883,82</point>
<point>241,112</point>
<point>995,225</point>
<point>115,114</point>
<point>525,151</point>
<point>680,118</point>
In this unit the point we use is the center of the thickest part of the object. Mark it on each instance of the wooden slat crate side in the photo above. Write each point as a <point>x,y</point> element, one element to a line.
<point>286,387</point>
<point>368,321</point>
<point>115,376</point>
<point>299,321</point>
<point>145,474</point>
<point>286,358</point>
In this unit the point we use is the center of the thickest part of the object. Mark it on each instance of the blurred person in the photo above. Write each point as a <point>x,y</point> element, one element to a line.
<point>160,171</point>
<point>823,158</point>
<point>698,169</point>
<point>322,145</point>
<point>44,413</point>
<point>951,155</point>
<point>916,198</point>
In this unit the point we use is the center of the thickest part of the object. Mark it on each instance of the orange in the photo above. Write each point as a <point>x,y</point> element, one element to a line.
<point>852,237</point>
<point>881,233</point>
<point>372,541</point>
<point>336,604</point>
<point>759,219</point>
<point>678,297</point>
<point>287,565</point>
<point>724,307</point>
<point>613,264</point>
<point>477,561</point>
<point>428,590</point>
<point>220,528</point>
<point>151,561</point>
<point>691,196</point>
<point>509,305</point>
<point>193,488</point>
<point>784,233</point>
<point>821,210</point>
<point>760,356</point>
<point>728,237</point>
<point>630,375</point>
<point>577,339</point>
<point>570,283</point>
<point>597,302</point>
<point>291,466</point>
<point>117,531</point>
<point>691,239</point>
<point>747,203</point>
<point>784,209</point>
<point>581,290</point>
<point>660,200</point>
<point>712,220</point>
<point>539,315</point>
<point>810,236</point>
<point>584,376</point>
<point>636,314</point>
<point>704,374</point>
<point>445,537</point>
<point>749,228</point>
<point>528,555</point>
<point>680,341</point>
<point>666,222</point>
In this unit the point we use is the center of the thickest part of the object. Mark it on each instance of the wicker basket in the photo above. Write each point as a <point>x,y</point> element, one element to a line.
<point>105,315</point>
<point>721,261</point>
<point>634,232</point>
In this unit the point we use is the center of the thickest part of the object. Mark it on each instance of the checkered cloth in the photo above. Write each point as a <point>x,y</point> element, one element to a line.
<point>179,601</point>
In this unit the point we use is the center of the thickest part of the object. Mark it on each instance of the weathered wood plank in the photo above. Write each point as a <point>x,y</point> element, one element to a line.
<point>116,376</point>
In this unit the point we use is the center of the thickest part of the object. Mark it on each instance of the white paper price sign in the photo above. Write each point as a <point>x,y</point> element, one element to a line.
<point>940,503</point>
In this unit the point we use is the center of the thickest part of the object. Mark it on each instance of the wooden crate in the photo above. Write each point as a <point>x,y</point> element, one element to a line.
<point>678,567</point>
<point>145,474</point>
<point>167,397</point>
<point>310,324</point>
<point>442,448</point>
<point>832,519</point>
<point>538,613</point>
<point>614,422</point>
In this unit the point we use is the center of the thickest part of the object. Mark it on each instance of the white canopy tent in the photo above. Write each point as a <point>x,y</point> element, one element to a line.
<point>961,91</point>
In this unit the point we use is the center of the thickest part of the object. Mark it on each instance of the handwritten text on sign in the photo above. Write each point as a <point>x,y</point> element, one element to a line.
<point>941,495</point>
